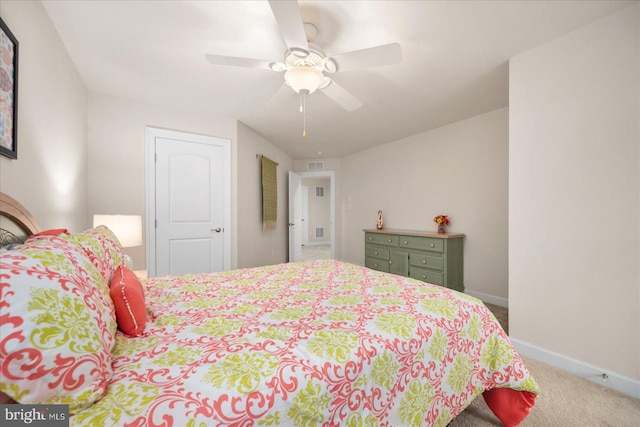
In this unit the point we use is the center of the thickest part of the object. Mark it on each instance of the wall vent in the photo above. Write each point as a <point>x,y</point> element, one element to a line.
<point>319,191</point>
<point>315,166</point>
<point>319,231</point>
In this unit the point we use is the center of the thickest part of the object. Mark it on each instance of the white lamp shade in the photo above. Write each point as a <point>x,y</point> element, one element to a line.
<point>127,228</point>
<point>304,79</point>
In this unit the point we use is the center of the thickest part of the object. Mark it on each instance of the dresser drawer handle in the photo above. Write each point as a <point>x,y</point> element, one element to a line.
<point>375,253</point>
<point>424,261</point>
<point>431,245</point>
<point>424,276</point>
<point>390,262</point>
<point>406,243</point>
<point>390,240</point>
<point>370,238</point>
<point>375,265</point>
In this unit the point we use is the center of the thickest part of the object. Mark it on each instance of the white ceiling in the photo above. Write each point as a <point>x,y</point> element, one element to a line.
<point>455,60</point>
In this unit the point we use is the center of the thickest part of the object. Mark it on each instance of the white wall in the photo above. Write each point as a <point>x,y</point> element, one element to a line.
<point>49,177</point>
<point>117,156</point>
<point>458,170</point>
<point>574,196</point>
<point>258,247</point>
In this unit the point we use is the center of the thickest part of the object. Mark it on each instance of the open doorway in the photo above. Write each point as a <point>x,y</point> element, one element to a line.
<point>312,215</point>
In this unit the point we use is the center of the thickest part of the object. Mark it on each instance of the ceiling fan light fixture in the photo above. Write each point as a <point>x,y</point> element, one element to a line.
<point>329,65</point>
<point>299,52</point>
<point>304,79</point>
<point>326,82</point>
<point>277,66</point>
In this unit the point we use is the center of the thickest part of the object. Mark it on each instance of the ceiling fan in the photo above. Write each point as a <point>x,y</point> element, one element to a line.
<point>305,65</point>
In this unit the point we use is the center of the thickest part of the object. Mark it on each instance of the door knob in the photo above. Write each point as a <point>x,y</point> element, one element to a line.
<point>217,230</point>
<point>290,224</point>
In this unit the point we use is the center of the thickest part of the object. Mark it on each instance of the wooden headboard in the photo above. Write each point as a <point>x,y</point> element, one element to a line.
<point>16,223</point>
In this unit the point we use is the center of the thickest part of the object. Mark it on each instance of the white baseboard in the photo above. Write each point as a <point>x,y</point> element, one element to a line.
<point>501,302</point>
<point>584,370</point>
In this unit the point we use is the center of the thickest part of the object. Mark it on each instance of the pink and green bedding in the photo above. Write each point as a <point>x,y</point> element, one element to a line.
<point>298,344</point>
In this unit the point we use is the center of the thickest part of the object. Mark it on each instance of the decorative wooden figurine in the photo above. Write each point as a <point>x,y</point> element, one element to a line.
<point>380,221</point>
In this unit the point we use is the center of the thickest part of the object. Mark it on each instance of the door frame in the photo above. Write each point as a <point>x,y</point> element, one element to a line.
<point>332,214</point>
<point>294,222</point>
<point>304,199</point>
<point>151,134</point>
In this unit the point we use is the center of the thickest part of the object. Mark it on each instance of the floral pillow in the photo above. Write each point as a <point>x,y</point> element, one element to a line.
<point>102,247</point>
<point>57,325</point>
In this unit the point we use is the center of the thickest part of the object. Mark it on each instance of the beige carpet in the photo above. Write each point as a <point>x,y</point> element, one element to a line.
<point>566,400</point>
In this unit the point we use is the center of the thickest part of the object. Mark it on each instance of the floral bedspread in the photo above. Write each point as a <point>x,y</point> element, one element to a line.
<point>305,344</point>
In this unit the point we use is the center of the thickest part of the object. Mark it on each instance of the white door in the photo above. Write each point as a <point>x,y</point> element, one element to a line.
<point>304,217</point>
<point>191,206</point>
<point>295,216</point>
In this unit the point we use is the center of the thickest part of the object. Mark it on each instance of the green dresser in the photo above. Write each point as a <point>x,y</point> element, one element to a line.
<point>430,257</point>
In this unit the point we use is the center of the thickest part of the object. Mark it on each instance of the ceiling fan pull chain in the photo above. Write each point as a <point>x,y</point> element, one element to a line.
<point>304,116</point>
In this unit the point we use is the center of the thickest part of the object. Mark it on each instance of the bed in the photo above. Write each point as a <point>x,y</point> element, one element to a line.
<point>319,343</point>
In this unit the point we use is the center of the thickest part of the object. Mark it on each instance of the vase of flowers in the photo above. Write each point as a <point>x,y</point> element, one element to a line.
<point>442,221</point>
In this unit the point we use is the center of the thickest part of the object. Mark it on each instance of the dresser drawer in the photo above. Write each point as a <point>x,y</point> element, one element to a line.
<point>422,255</point>
<point>376,264</point>
<point>381,239</point>
<point>425,275</point>
<point>426,261</point>
<point>422,243</point>
<point>376,252</point>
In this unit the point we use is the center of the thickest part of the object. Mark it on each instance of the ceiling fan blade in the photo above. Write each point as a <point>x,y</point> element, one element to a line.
<point>238,62</point>
<point>341,96</point>
<point>289,20</point>
<point>387,54</point>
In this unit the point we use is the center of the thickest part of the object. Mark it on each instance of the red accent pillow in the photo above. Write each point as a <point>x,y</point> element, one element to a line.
<point>52,232</point>
<point>5,400</point>
<point>128,297</point>
<point>48,235</point>
<point>510,406</point>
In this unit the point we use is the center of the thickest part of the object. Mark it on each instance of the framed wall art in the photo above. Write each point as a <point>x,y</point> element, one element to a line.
<point>8,92</point>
